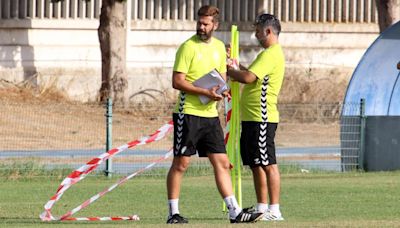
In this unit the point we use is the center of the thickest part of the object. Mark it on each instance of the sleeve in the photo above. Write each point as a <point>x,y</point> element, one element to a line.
<point>263,65</point>
<point>183,59</point>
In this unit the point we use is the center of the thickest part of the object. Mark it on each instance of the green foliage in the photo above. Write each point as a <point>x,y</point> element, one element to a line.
<point>28,169</point>
<point>33,168</point>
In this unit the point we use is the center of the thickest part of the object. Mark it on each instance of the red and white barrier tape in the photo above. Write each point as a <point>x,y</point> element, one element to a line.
<point>67,216</point>
<point>134,217</point>
<point>228,114</point>
<point>228,102</point>
<point>84,170</point>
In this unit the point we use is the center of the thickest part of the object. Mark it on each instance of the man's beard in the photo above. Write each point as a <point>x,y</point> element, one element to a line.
<point>261,41</point>
<point>204,36</point>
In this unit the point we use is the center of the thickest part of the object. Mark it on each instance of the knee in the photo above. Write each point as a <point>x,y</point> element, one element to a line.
<point>272,170</point>
<point>180,166</point>
<point>225,165</point>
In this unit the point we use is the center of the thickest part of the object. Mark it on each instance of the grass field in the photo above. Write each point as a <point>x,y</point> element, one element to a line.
<point>308,200</point>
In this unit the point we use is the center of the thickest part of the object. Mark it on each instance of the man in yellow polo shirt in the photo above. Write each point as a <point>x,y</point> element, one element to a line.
<point>260,116</point>
<point>196,125</point>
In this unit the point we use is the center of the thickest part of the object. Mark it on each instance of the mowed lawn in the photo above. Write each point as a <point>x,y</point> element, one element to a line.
<point>352,199</point>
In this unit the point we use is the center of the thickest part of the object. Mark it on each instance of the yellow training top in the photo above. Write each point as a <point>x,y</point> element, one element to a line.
<point>259,99</point>
<point>196,58</point>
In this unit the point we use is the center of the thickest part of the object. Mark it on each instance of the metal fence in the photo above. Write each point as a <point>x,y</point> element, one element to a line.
<point>321,11</point>
<point>352,134</point>
<point>51,136</point>
<point>48,9</point>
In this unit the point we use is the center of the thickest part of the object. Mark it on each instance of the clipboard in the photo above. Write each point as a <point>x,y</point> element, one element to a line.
<point>209,80</point>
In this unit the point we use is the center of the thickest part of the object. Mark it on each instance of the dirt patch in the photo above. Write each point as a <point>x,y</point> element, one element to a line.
<point>45,119</point>
<point>310,86</point>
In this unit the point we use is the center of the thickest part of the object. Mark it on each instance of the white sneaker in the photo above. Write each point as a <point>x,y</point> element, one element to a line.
<point>269,216</point>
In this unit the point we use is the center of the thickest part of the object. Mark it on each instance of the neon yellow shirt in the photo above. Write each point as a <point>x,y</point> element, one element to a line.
<point>196,58</point>
<point>269,67</point>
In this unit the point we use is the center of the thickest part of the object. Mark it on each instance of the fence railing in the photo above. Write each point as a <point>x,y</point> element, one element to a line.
<point>302,11</point>
<point>47,9</point>
<point>66,135</point>
<point>352,136</point>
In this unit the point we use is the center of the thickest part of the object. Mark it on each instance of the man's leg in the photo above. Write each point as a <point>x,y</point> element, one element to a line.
<point>274,183</point>
<point>274,187</point>
<point>221,165</point>
<point>260,186</point>
<point>174,180</point>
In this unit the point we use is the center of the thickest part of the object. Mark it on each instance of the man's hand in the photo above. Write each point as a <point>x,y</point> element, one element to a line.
<point>213,95</point>
<point>226,94</point>
<point>232,64</point>
<point>228,51</point>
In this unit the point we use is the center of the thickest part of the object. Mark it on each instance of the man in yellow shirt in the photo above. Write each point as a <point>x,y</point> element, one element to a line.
<point>260,116</point>
<point>196,125</point>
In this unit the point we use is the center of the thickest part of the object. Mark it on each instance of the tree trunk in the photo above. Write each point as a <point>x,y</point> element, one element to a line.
<point>388,13</point>
<point>112,37</point>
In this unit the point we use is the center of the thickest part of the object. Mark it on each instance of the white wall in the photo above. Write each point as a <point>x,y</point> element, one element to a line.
<point>66,54</point>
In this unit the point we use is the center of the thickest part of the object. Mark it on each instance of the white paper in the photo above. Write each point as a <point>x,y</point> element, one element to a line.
<point>209,80</point>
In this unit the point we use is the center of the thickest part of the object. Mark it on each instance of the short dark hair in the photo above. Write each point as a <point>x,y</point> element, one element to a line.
<point>208,10</point>
<point>266,20</point>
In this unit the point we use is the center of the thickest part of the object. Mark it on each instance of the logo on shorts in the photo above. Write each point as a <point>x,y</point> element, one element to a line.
<point>183,150</point>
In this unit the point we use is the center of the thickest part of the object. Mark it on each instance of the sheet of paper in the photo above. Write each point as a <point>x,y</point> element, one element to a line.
<point>209,80</point>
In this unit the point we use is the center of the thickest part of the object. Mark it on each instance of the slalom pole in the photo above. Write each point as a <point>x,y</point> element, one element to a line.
<point>232,138</point>
<point>236,120</point>
<point>233,146</point>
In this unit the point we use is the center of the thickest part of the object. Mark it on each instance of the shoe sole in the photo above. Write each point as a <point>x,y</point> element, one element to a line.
<point>255,220</point>
<point>258,218</point>
<point>273,220</point>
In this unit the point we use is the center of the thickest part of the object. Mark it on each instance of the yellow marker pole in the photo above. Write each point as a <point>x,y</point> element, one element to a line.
<point>233,145</point>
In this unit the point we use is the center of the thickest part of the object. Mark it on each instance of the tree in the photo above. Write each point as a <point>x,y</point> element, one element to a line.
<point>388,13</point>
<point>112,38</point>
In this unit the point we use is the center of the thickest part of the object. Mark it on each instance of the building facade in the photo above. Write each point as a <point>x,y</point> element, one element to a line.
<point>56,44</point>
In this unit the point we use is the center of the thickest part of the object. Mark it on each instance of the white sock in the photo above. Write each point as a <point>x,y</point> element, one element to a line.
<point>262,207</point>
<point>233,206</point>
<point>173,206</point>
<point>274,208</point>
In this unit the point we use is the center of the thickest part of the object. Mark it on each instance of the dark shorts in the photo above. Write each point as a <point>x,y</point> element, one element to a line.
<point>194,134</point>
<point>257,143</point>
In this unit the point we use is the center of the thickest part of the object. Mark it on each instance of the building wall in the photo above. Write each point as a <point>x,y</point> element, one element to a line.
<point>56,46</point>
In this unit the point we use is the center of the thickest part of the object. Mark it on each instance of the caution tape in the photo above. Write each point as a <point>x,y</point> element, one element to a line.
<point>92,199</point>
<point>80,173</point>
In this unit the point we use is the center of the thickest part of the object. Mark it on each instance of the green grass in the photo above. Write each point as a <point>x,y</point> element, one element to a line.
<point>308,200</point>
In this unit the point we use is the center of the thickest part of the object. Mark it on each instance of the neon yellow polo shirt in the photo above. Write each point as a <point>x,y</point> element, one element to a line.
<point>196,58</point>
<point>269,64</point>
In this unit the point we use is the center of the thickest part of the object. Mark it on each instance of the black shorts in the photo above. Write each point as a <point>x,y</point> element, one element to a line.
<point>257,143</point>
<point>197,134</point>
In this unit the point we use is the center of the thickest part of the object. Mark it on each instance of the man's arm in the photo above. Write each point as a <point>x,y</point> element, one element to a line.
<point>179,82</point>
<point>242,75</point>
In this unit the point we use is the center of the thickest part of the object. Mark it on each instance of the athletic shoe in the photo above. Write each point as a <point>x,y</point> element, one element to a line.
<point>269,216</point>
<point>247,217</point>
<point>176,218</point>
<point>251,209</point>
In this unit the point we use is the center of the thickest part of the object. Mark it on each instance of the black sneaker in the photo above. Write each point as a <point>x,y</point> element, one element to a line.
<point>247,217</point>
<point>251,209</point>
<point>176,218</point>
